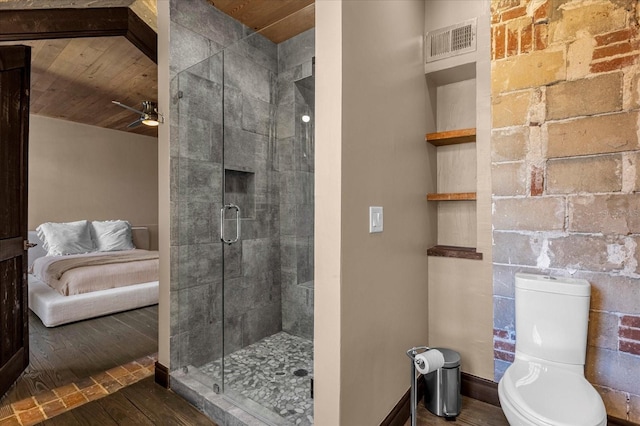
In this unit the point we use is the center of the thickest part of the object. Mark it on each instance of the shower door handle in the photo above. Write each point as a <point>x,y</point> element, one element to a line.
<point>237,209</point>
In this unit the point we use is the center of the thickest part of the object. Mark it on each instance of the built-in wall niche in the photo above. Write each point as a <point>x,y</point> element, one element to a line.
<point>239,189</point>
<point>453,96</point>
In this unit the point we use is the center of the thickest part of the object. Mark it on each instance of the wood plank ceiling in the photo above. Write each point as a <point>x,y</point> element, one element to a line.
<point>277,20</point>
<point>76,79</point>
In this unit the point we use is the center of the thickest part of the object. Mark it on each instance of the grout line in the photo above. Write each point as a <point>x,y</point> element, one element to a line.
<point>143,371</point>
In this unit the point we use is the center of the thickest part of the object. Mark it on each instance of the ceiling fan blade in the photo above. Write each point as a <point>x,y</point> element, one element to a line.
<point>135,124</point>
<point>127,107</point>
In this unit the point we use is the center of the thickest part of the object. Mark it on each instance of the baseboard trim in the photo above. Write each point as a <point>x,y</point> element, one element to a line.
<point>402,411</point>
<point>478,388</point>
<point>614,421</point>
<point>162,375</point>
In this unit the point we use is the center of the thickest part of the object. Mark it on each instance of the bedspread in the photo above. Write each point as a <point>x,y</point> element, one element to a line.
<point>84,273</point>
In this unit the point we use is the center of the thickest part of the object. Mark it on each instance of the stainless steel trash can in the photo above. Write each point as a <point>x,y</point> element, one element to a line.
<point>442,393</point>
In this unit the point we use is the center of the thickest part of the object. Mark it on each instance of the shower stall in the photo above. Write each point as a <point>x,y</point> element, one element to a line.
<point>242,203</point>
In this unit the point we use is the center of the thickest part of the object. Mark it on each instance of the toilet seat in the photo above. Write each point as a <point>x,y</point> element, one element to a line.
<point>546,394</point>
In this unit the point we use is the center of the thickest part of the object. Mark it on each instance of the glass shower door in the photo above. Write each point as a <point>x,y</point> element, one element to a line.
<point>197,196</point>
<point>252,285</point>
<point>268,166</point>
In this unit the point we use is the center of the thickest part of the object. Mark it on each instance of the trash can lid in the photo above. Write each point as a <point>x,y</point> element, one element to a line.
<point>451,357</point>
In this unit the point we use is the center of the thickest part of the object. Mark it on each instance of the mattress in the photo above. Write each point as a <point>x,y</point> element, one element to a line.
<point>55,309</point>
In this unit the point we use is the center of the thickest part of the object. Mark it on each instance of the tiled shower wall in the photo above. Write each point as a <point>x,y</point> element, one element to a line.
<point>252,290</point>
<point>566,173</point>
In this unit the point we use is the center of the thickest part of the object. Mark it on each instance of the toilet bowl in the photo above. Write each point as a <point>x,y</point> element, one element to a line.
<point>534,394</point>
<point>545,385</point>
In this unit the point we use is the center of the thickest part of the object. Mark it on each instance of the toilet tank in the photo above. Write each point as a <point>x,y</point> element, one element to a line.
<point>552,315</point>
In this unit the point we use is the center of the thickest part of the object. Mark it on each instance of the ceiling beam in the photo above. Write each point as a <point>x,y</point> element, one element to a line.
<point>142,36</point>
<point>36,24</point>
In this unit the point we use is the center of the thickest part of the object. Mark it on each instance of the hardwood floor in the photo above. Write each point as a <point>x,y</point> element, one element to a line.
<point>473,413</point>
<point>72,352</point>
<point>146,403</point>
<point>143,403</point>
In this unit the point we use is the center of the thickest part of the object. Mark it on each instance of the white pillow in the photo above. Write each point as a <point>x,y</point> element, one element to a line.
<point>112,235</point>
<point>66,238</point>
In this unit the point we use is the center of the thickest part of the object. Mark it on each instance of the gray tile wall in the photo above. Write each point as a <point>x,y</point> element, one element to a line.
<point>207,49</point>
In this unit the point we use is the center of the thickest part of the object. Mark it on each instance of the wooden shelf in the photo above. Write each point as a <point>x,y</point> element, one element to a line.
<point>455,252</point>
<point>452,137</point>
<point>452,196</point>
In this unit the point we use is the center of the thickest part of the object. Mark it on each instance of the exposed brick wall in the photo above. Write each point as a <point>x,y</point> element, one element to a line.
<point>565,157</point>
<point>629,334</point>
<point>504,348</point>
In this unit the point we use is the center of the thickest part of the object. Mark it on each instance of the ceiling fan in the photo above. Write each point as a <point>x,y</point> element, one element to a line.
<point>149,114</point>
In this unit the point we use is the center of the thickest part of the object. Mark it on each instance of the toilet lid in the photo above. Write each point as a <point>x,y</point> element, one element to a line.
<point>553,395</point>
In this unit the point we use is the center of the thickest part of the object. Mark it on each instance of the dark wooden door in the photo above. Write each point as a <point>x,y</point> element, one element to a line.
<point>15,65</point>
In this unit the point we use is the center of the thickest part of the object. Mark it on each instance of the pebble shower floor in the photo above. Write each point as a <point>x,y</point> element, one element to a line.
<point>275,372</point>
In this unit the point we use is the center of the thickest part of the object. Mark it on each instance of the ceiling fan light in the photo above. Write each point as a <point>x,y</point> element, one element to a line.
<point>149,116</point>
<point>150,122</point>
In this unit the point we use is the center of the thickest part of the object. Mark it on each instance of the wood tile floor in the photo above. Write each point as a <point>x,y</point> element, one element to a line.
<point>51,403</point>
<point>73,364</point>
<point>143,403</point>
<point>70,353</point>
<point>82,374</point>
<point>146,403</point>
<point>473,413</point>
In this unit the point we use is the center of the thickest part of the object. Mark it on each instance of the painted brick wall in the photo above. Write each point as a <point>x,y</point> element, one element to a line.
<point>565,174</point>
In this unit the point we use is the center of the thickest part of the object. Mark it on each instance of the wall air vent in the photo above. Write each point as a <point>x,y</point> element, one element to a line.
<point>451,41</point>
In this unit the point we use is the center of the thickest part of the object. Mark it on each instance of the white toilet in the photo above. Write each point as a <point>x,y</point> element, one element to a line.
<point>545,385</point>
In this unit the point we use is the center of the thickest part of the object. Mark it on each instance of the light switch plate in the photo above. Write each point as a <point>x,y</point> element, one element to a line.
<point>376,219</point>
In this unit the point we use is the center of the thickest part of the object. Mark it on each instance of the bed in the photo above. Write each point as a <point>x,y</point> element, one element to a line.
<point>69,303</point>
